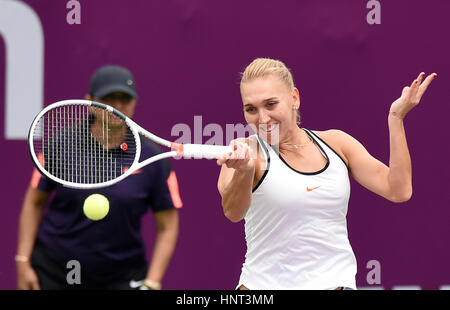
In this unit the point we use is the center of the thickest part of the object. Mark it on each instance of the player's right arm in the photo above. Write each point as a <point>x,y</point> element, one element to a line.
<point>236,180</point>
<point>29,221</point>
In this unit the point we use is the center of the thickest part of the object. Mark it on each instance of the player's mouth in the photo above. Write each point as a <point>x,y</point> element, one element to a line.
<point>267,128</point>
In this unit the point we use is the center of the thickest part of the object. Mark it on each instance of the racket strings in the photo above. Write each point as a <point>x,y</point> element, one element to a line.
<point>84,144</point>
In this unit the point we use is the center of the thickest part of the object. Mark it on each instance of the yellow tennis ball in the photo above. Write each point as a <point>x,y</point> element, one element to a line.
<point>96,207</point>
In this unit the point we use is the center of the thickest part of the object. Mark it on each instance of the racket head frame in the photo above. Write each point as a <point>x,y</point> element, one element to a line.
<point>134,128</point>
<point>180,150</point>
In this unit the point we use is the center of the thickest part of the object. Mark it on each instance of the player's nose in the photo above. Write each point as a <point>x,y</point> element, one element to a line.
<point>117,104</point>
<point>263,116</point>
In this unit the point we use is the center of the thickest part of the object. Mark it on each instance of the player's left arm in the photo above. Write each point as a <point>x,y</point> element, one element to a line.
<point>394,182</point>
<point>165,202</point>
<point>166,239</point>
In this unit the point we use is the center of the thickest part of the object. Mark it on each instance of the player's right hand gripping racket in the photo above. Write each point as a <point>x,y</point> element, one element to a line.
<point>85,144</point>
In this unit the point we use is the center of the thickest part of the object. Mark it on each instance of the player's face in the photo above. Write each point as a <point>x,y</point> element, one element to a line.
<point>269,107</point>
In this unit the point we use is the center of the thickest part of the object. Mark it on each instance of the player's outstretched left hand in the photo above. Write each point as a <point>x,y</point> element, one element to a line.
<point>411,96</point>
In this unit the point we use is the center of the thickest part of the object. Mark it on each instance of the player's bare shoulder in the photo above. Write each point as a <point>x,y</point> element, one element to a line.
<point>330,134</point>
<point>336,139</point>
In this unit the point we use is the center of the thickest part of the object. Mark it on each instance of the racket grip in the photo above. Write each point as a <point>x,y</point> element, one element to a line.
<point>204,151</point>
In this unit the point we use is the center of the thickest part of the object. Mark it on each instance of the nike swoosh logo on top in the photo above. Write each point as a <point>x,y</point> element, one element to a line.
<point>311,189</point>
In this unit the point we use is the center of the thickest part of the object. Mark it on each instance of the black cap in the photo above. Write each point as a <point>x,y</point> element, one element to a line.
<point>110,79</point>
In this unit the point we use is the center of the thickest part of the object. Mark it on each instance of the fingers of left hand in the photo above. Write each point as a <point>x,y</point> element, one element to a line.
<point>419,86</point>
<point>416,83</point>
<point>423,87</point>
<point>420,77</point>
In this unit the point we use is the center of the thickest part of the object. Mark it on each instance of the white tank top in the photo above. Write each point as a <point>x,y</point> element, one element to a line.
<point>296,228</point>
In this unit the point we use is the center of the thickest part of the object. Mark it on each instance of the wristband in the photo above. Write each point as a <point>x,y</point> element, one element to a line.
<point>21,258</point>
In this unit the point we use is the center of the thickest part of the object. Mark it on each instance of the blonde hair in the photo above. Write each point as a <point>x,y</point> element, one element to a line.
<point>262,67</point>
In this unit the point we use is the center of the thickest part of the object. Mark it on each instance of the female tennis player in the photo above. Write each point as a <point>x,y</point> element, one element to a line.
<point>292,186</point>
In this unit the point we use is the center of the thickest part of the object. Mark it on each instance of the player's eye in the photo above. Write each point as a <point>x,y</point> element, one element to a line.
<point>122,97</point>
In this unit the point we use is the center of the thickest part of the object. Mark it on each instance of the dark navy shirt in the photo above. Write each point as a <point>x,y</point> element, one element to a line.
<point>115,241</point>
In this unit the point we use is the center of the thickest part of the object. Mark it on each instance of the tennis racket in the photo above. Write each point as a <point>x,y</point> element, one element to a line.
<point>85,144</point>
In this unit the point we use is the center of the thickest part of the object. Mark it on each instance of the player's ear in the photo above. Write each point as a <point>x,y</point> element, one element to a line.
<point>296,98</point>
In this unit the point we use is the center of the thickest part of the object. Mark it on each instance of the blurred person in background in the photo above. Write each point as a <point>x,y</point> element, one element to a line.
<point>53,229</point>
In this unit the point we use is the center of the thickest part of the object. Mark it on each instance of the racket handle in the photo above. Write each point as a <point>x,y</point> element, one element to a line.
<point>204,151</point>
